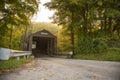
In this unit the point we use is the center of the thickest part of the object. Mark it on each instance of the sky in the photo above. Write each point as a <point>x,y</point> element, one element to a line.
<point>43,13</point>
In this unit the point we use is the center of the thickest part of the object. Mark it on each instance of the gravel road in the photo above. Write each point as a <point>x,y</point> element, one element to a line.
<point>65,69</point>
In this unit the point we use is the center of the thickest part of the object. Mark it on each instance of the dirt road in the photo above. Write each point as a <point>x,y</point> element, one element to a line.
<point>65,69</point>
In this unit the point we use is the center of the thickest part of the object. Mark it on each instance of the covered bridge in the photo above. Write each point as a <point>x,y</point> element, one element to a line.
<point>42,42</point>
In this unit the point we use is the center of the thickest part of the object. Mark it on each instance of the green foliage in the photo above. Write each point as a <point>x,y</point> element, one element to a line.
<point>4,40</point>
<point>15,13</point>
<point>114,43</point>
<point>90,46</point>
<point>37,26</point>
<point>15,41</point>
<point>63,40</point>
<point>99,45</point>
<point>12,63</point>
<point>112,54</point>
<point>87,19</point>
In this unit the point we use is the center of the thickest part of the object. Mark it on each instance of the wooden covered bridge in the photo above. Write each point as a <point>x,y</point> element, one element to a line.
<point>42,43</point>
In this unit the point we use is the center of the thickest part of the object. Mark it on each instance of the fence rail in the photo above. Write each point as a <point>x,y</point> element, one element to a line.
<point>5,54</point>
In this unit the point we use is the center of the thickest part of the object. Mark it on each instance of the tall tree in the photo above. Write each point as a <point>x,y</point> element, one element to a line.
<point>87,18</point>
<point>64,15</point>
<point>16,13</point>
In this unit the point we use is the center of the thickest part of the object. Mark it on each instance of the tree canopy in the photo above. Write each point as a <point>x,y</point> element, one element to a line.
<point>88,21</point>
<point>15,13</point>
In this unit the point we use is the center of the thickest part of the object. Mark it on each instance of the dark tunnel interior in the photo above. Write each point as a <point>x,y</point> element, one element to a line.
<point>43,46</point>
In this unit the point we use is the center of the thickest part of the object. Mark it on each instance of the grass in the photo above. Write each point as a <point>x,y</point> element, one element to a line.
<point>110,55</point>
<point>12,63</point>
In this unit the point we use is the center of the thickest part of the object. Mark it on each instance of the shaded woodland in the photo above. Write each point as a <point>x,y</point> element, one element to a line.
<point>92,26</point>
<point>85,26</point>
<point>15,16</point>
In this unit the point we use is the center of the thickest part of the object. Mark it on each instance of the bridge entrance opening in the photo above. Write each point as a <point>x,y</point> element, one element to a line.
<point>43,43</point>
<point>43,46</point>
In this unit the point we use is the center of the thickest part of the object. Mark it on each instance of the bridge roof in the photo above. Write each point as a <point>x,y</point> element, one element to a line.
<point>43,33</point>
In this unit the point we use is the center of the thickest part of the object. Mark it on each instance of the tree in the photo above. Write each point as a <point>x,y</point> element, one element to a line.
<point>87,19</point>
<point>16,13</point>
<point>73,14</point>
<point>63,15</point>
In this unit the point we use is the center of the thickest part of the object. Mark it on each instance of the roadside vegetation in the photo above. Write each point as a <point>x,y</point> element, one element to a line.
<point>90,28</point>
<point>109,55</point>
<point>13,63</point>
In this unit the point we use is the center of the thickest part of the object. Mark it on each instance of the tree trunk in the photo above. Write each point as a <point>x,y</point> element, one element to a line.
<point>118,33</point>
<point>25,38</point>
<point>72,41</point>
<point>105,25</point>
<point>110,26</point>
<point>11,32</point>
<point>72,35</point>
<point>85,23</point>
<point>102,25</point>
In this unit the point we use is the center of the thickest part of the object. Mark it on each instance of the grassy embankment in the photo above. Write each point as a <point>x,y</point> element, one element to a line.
<point>13,63</point>
<point>112,54</point>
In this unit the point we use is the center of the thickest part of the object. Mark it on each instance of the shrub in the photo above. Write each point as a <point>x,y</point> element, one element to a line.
<point>89,45</point>
<point>114,43</point>
<point>99,45</point>
<point>112,54</point>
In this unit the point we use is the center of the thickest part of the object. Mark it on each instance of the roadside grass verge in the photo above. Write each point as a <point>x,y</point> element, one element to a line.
<point>13,63</point>
<point>112,54</point>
